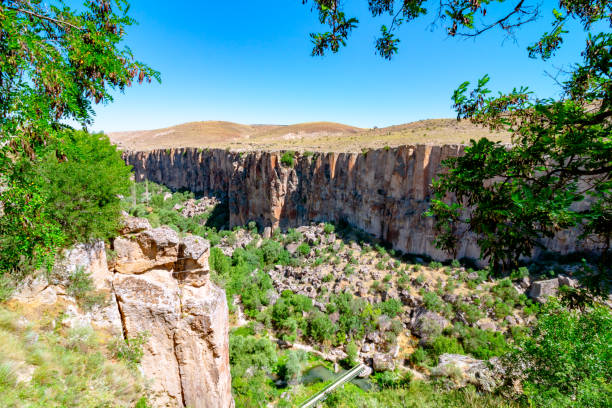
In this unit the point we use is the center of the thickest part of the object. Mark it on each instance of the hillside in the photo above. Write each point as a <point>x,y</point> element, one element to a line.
<point>315,136</point>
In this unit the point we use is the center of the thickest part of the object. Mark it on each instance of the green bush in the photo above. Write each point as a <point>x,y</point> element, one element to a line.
<point>328,228</point>
<point>443,344</point>
<point>273,252</point>
<point>303,249</point>
<point>471,312</point>
<point>320,327</point>
<point>391,307</point>
<point>287,159</point>
<point>433,302</point>
<point>565,361</point>
<point>68,194</point>
<point>419,357</point>
<point>81,287</point>
<point>82,188</point>
<point>249,352</point>
<point>130,349</point>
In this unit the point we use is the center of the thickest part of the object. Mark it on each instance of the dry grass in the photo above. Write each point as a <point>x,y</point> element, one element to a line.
<point>45,364</point>
<point>314,136</point>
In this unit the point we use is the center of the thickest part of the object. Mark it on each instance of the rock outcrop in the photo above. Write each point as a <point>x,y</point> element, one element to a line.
<point>463,370</point>
<point>163,289</point>
<point>157,286</point>
<point>383,192</point>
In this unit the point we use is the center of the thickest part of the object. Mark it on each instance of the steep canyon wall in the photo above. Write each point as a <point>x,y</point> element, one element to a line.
<point>383,192</point>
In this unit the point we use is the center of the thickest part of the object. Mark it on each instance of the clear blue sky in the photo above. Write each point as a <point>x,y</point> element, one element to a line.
<point>249,62</point>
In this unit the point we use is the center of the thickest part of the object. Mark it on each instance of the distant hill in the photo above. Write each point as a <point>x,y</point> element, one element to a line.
<point>315,136</point>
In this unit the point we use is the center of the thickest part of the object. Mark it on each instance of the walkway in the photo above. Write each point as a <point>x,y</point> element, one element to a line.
<point>344,378</point>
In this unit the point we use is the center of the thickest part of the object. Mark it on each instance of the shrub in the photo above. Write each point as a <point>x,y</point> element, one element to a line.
<point>502,310</point>
<point>249,352</point>
<point>471,312</point>
<point>483,344</point>
<point>82,189</point>
<point>419,357</point>
<point>552,358</point>
<point>273,252</point>
<point>293,235</point>
<point>81,287</point>
<point>328,228</point>
<point>320,327</point>
<point>391,307</point>
<point>506,292</point>
<point>519,273</point>
<point>287,159</point>
<point>352,353</point>
<point>303,249</point>
<point>443,344</point>
<point>433,302</point>
<point>130,349</point>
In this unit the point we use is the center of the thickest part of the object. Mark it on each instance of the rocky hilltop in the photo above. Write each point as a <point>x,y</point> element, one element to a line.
<point>383,192</point>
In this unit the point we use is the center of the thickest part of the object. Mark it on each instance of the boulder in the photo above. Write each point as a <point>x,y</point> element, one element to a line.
<point>541,290</point>
<point>153,248</point>
<point>267,233</point>
<point>292,247</point>
<point>567,281</point>
<point>427,324</point>
<point>463,370</point>
<point>171,299</point>
<point>132,225</point>
<point>383,362</point>
<point>366,372</point>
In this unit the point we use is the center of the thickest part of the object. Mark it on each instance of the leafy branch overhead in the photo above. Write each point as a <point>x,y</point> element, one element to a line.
<point>457,17</point>
<point>58,185</point>
<point>557,172</point>
<point>55,62</point>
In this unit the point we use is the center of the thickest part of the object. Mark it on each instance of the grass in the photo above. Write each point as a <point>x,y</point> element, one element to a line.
<point>44,364</point>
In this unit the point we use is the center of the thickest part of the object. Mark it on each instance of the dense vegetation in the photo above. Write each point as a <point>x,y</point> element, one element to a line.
<point>58,185</point>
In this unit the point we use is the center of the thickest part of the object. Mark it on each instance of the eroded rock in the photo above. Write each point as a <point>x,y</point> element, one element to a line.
<point>463,370</point>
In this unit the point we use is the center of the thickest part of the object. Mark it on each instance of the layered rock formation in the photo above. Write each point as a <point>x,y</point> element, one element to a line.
<point>383,192</point>
<point>158,285</point>
<point>163,289</point>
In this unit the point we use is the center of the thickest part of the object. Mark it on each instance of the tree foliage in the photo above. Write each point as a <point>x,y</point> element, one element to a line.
<point>565,360</point>
<point>58,185</point>
<point>557,172</point>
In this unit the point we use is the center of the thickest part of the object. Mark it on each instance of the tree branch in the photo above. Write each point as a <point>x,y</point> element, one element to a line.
<point>51,19</point>
<point>517,9</point>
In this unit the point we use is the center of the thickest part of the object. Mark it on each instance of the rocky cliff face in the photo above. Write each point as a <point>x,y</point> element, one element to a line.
<point>163,289</point>
<point>383,192</point>
<point>158,284</point>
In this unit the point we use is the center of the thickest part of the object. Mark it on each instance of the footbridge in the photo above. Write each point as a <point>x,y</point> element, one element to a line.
<point>344,378</point>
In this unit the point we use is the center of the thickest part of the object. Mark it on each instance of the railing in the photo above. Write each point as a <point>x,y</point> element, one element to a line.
<point>344,378</point>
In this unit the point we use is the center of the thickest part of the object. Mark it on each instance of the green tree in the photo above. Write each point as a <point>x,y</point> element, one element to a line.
<point>512,197</point>
<point>82,189</point>
<point>565,360</point>
<point>55,63</point>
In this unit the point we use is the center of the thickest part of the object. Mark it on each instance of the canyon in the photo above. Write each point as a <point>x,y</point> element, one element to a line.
<point>383,192</point>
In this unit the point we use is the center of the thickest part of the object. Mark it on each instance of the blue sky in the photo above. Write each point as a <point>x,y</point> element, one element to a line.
<point>249,62</point>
